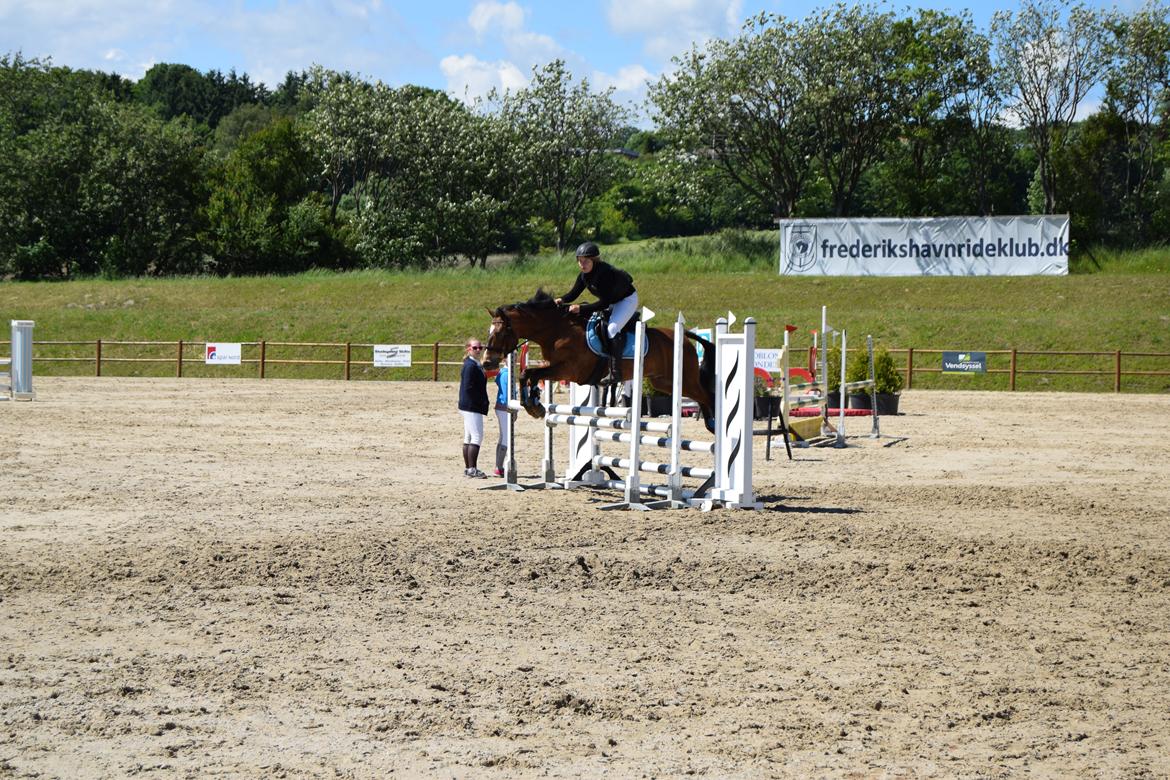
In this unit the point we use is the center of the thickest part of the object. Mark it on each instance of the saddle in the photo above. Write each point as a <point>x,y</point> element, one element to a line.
<point>593,339</point>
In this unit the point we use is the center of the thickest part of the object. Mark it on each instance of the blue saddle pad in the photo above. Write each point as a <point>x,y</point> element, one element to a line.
<point>595,343</point>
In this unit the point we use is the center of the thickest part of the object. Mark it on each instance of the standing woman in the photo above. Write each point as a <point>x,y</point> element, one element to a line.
<point>473,405</point>
<point>613,288</point>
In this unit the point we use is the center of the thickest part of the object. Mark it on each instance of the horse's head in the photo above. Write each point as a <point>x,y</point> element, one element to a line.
<point>501,338</point>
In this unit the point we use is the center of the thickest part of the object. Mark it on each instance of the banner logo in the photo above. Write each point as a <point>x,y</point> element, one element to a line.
<point>222,354</point>
<point>802,241</point>
<point>964,363</point>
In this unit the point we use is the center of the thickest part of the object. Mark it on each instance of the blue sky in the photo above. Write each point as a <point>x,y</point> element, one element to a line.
<point>462,46</point>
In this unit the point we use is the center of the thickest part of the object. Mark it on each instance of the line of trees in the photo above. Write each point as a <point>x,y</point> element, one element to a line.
<point>851,111</point>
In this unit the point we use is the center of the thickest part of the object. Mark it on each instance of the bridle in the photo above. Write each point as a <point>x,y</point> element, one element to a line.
<point>501,330</point>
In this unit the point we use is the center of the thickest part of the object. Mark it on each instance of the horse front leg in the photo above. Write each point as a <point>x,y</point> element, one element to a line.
<point>530,391</point>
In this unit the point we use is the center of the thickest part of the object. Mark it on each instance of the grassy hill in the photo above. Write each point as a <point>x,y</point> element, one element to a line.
<point>1109,302</point>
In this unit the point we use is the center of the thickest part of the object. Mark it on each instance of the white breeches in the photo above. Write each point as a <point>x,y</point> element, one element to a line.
<point>622,311</point>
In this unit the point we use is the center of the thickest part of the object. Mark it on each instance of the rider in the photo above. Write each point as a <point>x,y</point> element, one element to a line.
<point>613,288</point>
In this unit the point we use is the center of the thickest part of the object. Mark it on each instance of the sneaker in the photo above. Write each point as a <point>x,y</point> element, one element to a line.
<point>476,474</point>
<point>467,472</point>
<point>498,472</point>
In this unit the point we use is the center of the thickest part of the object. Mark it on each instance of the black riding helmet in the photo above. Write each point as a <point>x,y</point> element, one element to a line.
<point>588,249</point>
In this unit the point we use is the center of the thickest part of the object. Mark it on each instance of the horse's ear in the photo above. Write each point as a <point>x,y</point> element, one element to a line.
<point>489,311</point>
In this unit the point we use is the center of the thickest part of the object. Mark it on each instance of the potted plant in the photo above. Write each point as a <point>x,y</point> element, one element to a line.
<point>857,370</point>
<point>887,382</point>
<point>764,400</point>
<point>654,402</point>
<point>833,376</point>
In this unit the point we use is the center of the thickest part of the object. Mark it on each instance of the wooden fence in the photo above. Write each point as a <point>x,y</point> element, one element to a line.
<point>921,367</point>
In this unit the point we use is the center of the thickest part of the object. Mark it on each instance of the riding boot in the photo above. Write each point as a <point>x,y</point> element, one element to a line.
<point>615,362</point>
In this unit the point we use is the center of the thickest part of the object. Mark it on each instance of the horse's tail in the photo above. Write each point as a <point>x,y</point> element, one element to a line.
<point>706,374</point>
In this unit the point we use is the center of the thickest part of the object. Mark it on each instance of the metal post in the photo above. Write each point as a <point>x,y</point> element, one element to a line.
<point>841,403</point>
<point>21,370</point>
<point>875,432</point>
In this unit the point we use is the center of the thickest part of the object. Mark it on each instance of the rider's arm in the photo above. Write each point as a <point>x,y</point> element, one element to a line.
<point>578,288</point>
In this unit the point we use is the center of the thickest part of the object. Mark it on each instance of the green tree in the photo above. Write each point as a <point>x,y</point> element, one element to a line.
<point>1053,53</point>
<point>861,88</point>
<point>1136,92</point>
<point>744,103</point>
<point>566,132</point>
<point>248,209</point>
<point>141,192</point>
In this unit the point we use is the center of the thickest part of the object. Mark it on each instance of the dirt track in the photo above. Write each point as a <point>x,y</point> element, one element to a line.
<point>279,578</point>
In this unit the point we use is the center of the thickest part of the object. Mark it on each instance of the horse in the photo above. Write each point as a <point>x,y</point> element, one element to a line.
<point>567,357</point>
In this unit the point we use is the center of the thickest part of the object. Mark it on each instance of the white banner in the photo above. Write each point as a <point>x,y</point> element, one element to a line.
<point>942,246</point>
<point>768,359</point>
<point>391,356</point>
<point>223,354</point>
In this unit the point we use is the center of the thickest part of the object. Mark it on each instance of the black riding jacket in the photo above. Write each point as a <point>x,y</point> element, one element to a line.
<point>609,284</point>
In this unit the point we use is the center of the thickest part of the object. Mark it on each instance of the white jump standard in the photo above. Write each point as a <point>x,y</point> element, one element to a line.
<point>727,482</point>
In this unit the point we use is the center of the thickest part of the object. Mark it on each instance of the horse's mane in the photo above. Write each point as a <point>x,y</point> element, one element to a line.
<point>541,301</point>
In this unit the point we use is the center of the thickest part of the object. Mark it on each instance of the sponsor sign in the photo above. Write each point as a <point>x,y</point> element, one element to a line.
<point>392,356</point>
<point>964,363</point>
<point>222,353</point>
<point>943,246</point>
<point>768,359</point>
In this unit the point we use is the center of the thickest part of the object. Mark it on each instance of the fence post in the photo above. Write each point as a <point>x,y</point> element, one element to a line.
<point>347,345</point>
<point>179,361</point>
<point>435,363</point>
<point>909,367</point>
<point>97,358</point>
<point>1012,371</point>
<point>263,351</point>
<point>1117,371</point>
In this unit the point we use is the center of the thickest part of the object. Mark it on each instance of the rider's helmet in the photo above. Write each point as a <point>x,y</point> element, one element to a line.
<point>588,249</point>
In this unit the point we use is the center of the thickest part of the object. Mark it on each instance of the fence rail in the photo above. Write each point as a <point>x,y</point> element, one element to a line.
<point>438,360</point>
<point>102,354</point>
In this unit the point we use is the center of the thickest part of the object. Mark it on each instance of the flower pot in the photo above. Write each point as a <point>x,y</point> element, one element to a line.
<point>764,403</point>
<point>658,406</point>
<point>860,401</point>
<point>887,403</point>
<point>833,398</point>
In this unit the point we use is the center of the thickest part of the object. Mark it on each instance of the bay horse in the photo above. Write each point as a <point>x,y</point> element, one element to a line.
<point>561,336</point>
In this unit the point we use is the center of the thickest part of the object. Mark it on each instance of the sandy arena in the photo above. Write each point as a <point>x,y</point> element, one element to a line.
<point>247,578</point>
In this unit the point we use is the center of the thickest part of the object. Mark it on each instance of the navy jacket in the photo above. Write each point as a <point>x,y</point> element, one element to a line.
<point>473,395</point>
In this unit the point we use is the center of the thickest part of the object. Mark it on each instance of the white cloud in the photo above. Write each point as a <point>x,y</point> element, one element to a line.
<point>469,77</point>
<point>128,36</point>
<point>669,27</point>
<point>488,16</point>
<point>629,79</point>
<point>501,27</point>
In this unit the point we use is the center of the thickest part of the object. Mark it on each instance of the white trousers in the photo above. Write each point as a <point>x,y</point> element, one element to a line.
<point>622,311</point>
<point>472,427</point>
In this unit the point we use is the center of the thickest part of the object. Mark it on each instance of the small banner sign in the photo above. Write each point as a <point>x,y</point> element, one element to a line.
<point>964,363</point>
<point>768,359</point>
<point>223,353</point>
<point>391,356</point>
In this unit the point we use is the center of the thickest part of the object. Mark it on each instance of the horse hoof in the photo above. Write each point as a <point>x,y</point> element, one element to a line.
<point>536,411</point>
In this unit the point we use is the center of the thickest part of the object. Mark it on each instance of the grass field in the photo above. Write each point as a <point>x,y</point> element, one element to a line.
<point>1110,302</point>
